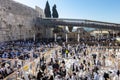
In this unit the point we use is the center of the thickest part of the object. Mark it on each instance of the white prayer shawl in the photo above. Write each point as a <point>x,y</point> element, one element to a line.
<point>116,77</point>
<point>101,77</point>
<point>8,70</point>
<point>89,78</point>
<point>56,78</point>
<point>73,78</point>
<point>19,62</point>
<point>80,74</point>
<point>96,77</point>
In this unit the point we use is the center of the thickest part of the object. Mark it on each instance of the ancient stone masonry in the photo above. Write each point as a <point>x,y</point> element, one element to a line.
<point>17,8</point>
<point>16,20</point>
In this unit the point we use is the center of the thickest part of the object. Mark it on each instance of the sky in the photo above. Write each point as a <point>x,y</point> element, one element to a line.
<point>99,10</point>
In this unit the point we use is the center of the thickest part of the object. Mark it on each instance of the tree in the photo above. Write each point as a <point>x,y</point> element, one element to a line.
<point>57,30</point>
<point>54,12</point>
<point>70,28</point>
<point>47,10</point>
<point>55,15</point>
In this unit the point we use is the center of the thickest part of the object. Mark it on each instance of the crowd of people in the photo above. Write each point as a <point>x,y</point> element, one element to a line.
<point>81,62</point>
<point>95,41</point>
<point>14,53</point>
<point>70,62</point>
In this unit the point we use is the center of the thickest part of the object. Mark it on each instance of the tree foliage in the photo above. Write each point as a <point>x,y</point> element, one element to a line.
<point>47,10</point>
<point>54,12</point>
<point>70,28</point>
<point>57,30</point>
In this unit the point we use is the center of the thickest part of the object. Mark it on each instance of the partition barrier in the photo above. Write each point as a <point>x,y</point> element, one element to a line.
<point>29,69</point>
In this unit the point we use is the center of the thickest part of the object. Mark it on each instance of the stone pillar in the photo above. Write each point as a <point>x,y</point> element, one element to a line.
<point>34,37</point>
<point>24,36</point>
<point>108,35</point>
<point>113,33</point>
<point>55,36</point>
<point>66,37</point>
<point>101,34</point>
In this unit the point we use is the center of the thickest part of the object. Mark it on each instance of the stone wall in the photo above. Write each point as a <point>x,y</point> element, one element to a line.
<point>40,11</point>
<point>17,8</point>
<point>17,21</point>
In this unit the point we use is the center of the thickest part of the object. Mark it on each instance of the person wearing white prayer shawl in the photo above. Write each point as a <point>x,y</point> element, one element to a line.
<point>8,70</point>
<point>80,73</point>
<point>19,63</point>
<point>101,76</point>
<point>115,77</point>
<point>57,77</point>
<point>74,77</point>
<point>103,60</point>
<point>53,54</point>
<point>89,75</point>
<point>96,76</point>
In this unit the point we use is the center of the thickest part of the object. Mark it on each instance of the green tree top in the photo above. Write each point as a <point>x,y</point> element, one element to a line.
<point>47,10</point>
<point>57,30</point>
<point>54,12</point>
